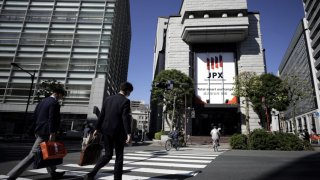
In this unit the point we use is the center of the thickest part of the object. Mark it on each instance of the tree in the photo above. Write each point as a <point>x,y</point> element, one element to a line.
<point>169,89</point>
<point>243,87</point>
<point>269,93</point>
<point>46,87</point>
<point>298,89</point>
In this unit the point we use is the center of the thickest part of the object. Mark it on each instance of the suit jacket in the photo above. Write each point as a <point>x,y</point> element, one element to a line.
<point>115,118</point>
<point>47,117</point>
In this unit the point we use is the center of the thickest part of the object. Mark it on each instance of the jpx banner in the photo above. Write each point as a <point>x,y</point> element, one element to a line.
<point>214,76</point>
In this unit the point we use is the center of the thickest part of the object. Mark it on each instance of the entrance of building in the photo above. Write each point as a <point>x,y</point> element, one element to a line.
<point>227,118</point>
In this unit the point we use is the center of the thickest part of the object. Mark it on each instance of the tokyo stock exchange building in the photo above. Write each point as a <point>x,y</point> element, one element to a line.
<point>211,42</point>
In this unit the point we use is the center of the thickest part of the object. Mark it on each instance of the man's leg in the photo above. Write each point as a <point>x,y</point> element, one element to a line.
<point>26,162</point>
<point>108,145</point>
<point>118,166</point>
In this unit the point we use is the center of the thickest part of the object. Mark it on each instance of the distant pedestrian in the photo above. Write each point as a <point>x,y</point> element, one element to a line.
<point>87,130</point>
<point>306,135</point>
<point>87,135</point>
<point>114,124</point>
<point>47,120</point>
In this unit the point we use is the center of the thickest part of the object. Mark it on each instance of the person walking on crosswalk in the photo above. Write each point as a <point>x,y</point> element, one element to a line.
<point>47,123</point>
<point>114,124</point>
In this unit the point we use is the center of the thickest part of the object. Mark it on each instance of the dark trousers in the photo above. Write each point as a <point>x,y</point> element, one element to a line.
<point>28,160</point>
<point>110,143</point>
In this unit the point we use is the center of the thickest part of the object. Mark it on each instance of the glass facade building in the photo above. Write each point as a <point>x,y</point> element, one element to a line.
<point>84,44</point>
<point>302,59</point>
<point>296,66</point>
<point>312,14</point>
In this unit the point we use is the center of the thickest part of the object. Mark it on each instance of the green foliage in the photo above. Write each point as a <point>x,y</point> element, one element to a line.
<point>243,85</point>
<point>46,87</point>
<point>273,90</point>
<point>172,99</point>
<point>239,141</point>
<point>290,142</point>
<point>259,140</point>
<point>269,93</point>
<point>157,135</point>
<point>254,88</point>
<point>263,140</point>
<point>182,84</point>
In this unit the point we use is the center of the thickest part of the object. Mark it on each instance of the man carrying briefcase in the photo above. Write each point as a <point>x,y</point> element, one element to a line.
<point>47,119</point>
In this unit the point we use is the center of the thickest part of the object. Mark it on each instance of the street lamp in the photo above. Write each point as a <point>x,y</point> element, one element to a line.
<point>30,90</point>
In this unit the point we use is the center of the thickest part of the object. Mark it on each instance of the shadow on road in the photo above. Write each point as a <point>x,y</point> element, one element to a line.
<point>303,168</point>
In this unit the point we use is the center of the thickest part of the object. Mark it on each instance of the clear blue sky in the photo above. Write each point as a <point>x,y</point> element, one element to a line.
<point>278,21</point>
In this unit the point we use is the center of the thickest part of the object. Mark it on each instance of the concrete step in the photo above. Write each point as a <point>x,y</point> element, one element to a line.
<point>207,139</point>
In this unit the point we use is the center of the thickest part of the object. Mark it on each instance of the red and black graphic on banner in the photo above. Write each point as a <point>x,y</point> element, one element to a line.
<point>214,62</point>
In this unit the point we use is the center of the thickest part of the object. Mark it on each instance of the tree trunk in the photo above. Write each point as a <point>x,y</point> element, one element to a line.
<point>294,120</point>
<point>247,116</point>
<point>268,119</point>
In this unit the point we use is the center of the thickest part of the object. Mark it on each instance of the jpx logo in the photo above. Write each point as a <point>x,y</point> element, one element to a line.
<point>215,63</point>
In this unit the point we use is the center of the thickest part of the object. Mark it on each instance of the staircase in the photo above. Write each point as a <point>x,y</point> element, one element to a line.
<point>202,140</point>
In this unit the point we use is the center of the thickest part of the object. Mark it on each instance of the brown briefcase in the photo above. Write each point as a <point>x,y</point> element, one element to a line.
<point>91,153</point>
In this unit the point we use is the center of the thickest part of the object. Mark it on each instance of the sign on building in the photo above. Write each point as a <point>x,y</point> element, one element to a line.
<point>214,77</point>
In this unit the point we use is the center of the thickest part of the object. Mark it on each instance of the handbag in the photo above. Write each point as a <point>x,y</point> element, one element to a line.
<point>91,152</point>
<point>53,150</point>
<point>39,162</point>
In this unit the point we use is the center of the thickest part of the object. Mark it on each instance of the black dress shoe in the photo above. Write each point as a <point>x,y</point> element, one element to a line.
<point>57,175</point>
<point>88,177</point>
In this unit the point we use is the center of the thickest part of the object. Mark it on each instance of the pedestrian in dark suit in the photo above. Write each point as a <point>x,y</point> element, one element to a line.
<point>114,124</point>
<point>47,119</point>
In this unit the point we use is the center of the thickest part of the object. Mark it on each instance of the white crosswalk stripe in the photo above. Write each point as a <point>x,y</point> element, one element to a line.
<point>157,165</point>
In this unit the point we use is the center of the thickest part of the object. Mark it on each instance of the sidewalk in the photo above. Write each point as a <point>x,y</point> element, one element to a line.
<point>222,145</point>
<point>192,145</point>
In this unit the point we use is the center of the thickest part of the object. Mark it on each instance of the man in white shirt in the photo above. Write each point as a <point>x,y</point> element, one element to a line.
<point>215,135</point>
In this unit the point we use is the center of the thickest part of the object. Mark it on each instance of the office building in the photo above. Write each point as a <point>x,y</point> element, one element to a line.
<point>302,59</point>
<point>84,44</point>
<point>140,115</point>
<point>210,37</point>
<point>312,14</point>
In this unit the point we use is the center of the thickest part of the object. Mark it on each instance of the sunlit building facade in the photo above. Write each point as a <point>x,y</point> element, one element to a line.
<point>84,44</point>
<point>302,59</point>
<point>298,65</point>
<point>211,42</point>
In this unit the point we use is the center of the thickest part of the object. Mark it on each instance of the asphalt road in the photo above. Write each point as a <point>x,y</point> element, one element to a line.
<point>227,165</point>
<point>263,165</point>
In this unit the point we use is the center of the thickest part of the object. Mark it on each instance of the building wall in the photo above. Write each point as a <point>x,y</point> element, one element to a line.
<point>203,5</point>
<point>159,47</point>
<point>177,51</point>
<point>251,56</point>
